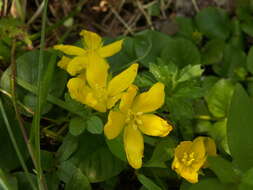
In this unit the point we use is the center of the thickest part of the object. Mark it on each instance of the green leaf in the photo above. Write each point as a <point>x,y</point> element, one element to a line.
<point>213,23</point>
<point>212,52</point>
<point>23,183</point>
<point>219,132</point>
<point>189,72</point>
<point>7,182</point>
<point>186,27</point>
<point>77,126</point>
<point>7,150</point>
<point>116,146</point>
<point>47,160</point>
<point>247,27</point>
<point>164,151</point>
<point>250,60</point>
<point>239,129</point>
<point>149,45</point>
<point>164,72</point>
<point>223,169</point>
<point>95,125</point>
<point>181,52</point>
<point>234,63</point>
<point>78,181</point>
<point>68,147</point>
<point>147,182</point>
<point>219,97</point>
<point>27,70</point>
<point>210,184</point>
<point>94,158</point>
<point>247,182</point>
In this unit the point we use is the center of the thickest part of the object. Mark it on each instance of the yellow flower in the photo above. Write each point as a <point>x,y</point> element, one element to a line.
<point>97,92</point>
<point>190,156</point>
<point>92,43</point>
<point>134,117</point>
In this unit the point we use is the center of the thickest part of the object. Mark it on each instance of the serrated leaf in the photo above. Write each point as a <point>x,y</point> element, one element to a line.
<point>189,72</point>
<point>239,129</point>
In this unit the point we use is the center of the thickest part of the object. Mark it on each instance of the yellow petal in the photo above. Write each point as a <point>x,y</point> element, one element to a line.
<point>187,173</point>
<point>151,100</point>
<point>183,147</point>
<point>198,147</point>
<point>77,64</point>
<point>97,71</point>
<point>111,49</point>
<point>123,80</point>
<point>134,146</point>
<point>128,98</point>
<point>63,63</point>
<point>70,50</point>
<point>111,101</point>
<point>114,125</point>
<point>76,88</point>
<point>153,125</point>
<point>92,41</point>
<point>80,92</point>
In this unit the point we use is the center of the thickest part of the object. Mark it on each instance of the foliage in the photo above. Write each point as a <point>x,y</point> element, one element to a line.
<point>206,70</point>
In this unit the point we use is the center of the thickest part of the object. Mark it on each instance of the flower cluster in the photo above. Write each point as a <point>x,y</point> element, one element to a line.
<point>133,115</point>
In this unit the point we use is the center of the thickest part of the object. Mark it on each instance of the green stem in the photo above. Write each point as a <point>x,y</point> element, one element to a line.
<point>14,142</point>
<point>15,104</point>
<point>35,133</point>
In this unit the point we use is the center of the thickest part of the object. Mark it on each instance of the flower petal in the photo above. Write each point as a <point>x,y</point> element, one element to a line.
<point>92,41</point>
<point>63,63</point>
<point>111,49</point>
<point>77,64</point>
<point>154,125</point>
<point>134,146</point>
<point>76,88</point>
<point>111,101</point>
<point>151,100</point>
<point>70,50</point>
<point>96,71</point>
<point>198,147</point>
<point>114,125</point>
<point>187,173</point>
<point>80,92</point>
<point>123,80</point>
<point>128,98</point>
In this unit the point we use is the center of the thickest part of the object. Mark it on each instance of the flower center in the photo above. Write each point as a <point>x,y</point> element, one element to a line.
<point>188,159</point>
<point>101,93</point>
<point>134,118</point>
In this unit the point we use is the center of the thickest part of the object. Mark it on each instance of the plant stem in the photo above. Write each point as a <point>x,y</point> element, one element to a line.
<point>14,102</point>
<point>35,133</point>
